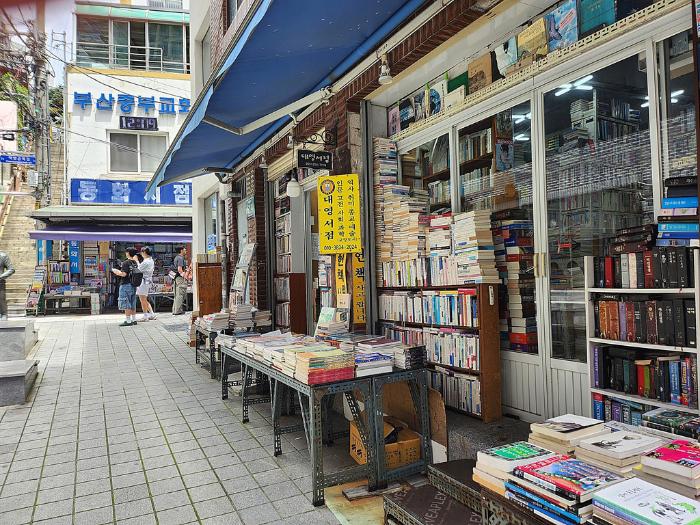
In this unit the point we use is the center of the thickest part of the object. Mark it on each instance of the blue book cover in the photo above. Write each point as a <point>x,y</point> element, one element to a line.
<point>596,383</point>
<point>674,369</point>
<point>678,235</point>
<point>679,202</point>
<point>672,242</point>
<point>598,410</point>
<point>542,503</point>
<point>595,14</point>
<point>562,25</point>
<point>679,227</point>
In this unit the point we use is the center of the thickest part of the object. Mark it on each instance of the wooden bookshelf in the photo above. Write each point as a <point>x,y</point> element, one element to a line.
<point>593,293</point>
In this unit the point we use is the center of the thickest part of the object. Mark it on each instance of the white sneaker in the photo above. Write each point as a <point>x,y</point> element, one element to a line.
<point>152,317</point>
<point>143,319</point>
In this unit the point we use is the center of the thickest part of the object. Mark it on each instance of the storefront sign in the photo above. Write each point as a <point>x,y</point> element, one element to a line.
<point>138,123</point>
<point>341,283</point>
<point>101,191</point>
<point>317,160</point>
<point>339,213</point>
<point>18,158</point>
<point>358,288</point>
<point>74,256</point>
<point>127,103</point>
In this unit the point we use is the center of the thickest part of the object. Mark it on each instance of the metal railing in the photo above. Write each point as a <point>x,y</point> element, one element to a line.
<point>122,56</point>
<point>165,4</point>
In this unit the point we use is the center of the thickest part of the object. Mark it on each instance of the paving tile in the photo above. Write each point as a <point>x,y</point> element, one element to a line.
<point>199,478</point>
<point>55,494</point>
<point>269,477</point>
<point>226,519</point>
<point>214,507</point>
<point>92,474</point>
<point>18,502</point>
<point>166,485</point>
<point>158,461</point>
<point>249,498</point>
<point>133,493</point>
<point>192,467</point>
<point>95,516</point>
<point>162,473</point>
<point>259,515</point>
<point>128,480</point>
<point>170,500</point>
<point>291,506</point>
<point>53,510</point>
<point>16,516</point>
<point>63,520</point>
<point>278,491</point>
<point>92,487</point>
<point>148,519</point>
<point>189,455</point>
<point>177,516</point>
<point>22,487</point>
<point>206,492</point>
<point>133,508</point>
<point>93,501</point>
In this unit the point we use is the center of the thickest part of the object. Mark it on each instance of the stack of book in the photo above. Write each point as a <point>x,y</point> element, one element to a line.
<point>678,218</point>
<point>372,363</point>
<point>379,345</point>
<point>636,501</point>
<point>241,315</point>
<point>473,248</point>
<point>494,466</point>
<point>559,489</point>
<point>330,323</point>
<point>214,322</point>
<point>674,466</point>
<point>672,422</point>
<point>561,434</point>
<point>618,452</point>
<point>461,391</point>
<point>452,347</point>
<point>403,230</point>
<point>262,317</point>
<point>410,357</point>
<point>324,366</point>
<point>439,237</point>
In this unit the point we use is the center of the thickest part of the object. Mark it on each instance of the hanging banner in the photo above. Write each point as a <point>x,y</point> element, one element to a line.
<point>74,256</point>
<point>341,283</point>
<point>339,213</point>
<point>358,288</point>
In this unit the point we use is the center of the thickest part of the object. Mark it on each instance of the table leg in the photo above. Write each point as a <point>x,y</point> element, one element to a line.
<point>377,428</point>
<point>277,391</point>
<point>244,391</point>
<point>305,419</point>
<point>224,376</point>
<point>196,345</point>
<point>365,434</point>
<point>212,355</point>
<point>316,433</point>
<point>325,414</point>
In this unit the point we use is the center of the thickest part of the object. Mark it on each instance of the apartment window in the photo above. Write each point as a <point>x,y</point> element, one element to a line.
<point>166,42</point>
<point>135,152</point>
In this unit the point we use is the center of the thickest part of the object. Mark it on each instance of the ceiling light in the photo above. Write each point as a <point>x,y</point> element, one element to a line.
<point>263,163</point>
<point>644,105</point>
<point>293,186</point>
<point>521,137</point>
<point>677,93</point>
<point>384,72</point>
<point>290,142</point>
<point>583,80</point>
<point>674,100</point>
<point>564,88</point>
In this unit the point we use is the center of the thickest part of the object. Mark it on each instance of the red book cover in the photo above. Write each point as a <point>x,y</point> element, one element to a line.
<point>648,269</point>
<point>609,272</point>
<point>614,321</point>
<point>523,339</point>
<point>629,314</point>
<point>640,380</point>
<point>603,322</point>
<point>652,335</point>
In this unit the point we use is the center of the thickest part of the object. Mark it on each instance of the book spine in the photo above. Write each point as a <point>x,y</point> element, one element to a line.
<point>656,268</point>
<point>648,269</point>
<point>679,322</point>
<point>545,485</point>
<point>651,322</point>
<point>596,367</point>
<point>690,328</point>
<point>616,511</point>
<point>675,378</point>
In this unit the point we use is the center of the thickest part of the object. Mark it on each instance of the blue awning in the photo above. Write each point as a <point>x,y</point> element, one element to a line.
<point>287,51</point>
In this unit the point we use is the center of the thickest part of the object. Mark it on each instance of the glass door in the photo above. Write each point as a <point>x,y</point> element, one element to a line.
<point>598,179</point>
<point>313,286</point>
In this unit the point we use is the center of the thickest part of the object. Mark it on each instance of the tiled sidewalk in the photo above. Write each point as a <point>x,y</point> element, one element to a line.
<point>124,427</point>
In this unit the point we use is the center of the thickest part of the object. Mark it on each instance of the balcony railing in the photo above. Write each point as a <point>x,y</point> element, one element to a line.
<point>118,56</point>
<point>165,4</point>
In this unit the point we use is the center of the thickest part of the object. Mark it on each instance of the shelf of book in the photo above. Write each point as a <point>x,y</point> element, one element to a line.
<point>459,369</point>
<point>645,346</point>
<point>440,175</point>
<point>429,325</point>
<point>643,400</point>
<point>650,358</point>
<point>423,288</point>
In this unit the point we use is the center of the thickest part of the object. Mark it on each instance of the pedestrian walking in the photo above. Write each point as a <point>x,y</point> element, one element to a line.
<point>182,271</point>
<point>127,291</point>
<point>146,265</point>
<point>6,270</point>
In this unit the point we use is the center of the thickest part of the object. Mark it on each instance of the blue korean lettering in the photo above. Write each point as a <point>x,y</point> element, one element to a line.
<point>167,105</point>
<point>184,105</point>
<point>82,99</point>
<point>105,103</point>
<point>147,103</point>
<point>126,102</point>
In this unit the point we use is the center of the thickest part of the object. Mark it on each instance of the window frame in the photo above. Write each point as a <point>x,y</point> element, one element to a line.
<point>138,149</point>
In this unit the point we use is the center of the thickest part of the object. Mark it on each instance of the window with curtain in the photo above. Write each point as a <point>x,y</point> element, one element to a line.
<point>151,151</point>
<point>92,46</point>
<point>123,152</point>
<point>166,43</point>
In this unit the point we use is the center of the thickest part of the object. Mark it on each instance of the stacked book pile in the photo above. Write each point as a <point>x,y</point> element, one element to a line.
<point>494,466</point>
<point>262,317</point>
<point>379,345</point>
<point>618,452</point>
<point>637,501</point>
<point>214,322</point>
<point>672,422</point>
<point>331,323</point>
<point>385,161</point>
<point>473,248</point>
<point>678,218</point>
<point>561,434</point>
<point>439,237</point>
<point>559,489</point>
<point>324,366</point>
<point>372,363</point>
<point>241,316</point>
<point>410,357</point>
<point>404,230</point>
<point>674,466</point>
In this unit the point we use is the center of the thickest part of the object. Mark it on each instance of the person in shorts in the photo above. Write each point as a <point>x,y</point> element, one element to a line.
<point>146,265</point>
<point>127,292</point>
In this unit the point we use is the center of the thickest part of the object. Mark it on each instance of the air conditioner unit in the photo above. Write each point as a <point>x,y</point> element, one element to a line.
<point>33,178</point>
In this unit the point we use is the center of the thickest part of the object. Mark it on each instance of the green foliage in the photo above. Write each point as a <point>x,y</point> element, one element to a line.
<point>56,104</point>
<point>12,89</point>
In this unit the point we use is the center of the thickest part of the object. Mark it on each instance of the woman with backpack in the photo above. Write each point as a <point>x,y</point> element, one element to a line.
<point>146,264</point>
<point>128,273</point>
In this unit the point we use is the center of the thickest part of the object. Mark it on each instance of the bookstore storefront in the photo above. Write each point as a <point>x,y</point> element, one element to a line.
<point>575,160</point>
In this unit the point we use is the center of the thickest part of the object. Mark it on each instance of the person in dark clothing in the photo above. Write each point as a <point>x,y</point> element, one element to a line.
<point>181,271</point>
<point>6,270</point>
<point>127,292</point>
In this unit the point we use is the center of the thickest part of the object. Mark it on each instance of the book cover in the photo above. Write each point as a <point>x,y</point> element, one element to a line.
<point>506,55</point>
<point>620,445</point>
<point>638,501</point>
<point>679,227</point>
<point>480,72</point>
<point>648,269</point>
<point>682,457</point>
<point>564,424</point>
<point>679,202</point>
<point>562,25</point>
<point>420,109</point>
<point>595,14</point>
<point>406,113</point>
<point>690,328</point>
<point>652,335</point>
<point>532,42</point>
<point>679,322</point>
<point>507,457</point>
<point>436,97</point>
<point>394,125</point>
<point>570,475</point>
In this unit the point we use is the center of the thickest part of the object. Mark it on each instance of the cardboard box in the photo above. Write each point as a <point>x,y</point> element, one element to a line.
<point>406,450</point>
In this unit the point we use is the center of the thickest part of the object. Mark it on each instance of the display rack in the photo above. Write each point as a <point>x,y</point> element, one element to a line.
<point>592,293</point>
<point>289,282</point>
<point>35,296</point>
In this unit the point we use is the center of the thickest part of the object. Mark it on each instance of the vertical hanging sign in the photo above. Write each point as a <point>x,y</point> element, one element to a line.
<point>696,80</point>
<point>358,288</point>
<point>339,213</point>
<point>74,256</point>
<point>341,284</point>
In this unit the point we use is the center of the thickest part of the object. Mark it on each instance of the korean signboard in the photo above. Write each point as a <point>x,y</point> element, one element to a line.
<point>101,191</point>
<point>74,256</point>
<point>339,213</point>
<point>318,160</point>
<point>18,158</point>
<point>126,104</point>
<point>358,288</point>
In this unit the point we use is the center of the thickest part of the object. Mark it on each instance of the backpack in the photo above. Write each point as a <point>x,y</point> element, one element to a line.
<point>136,276</point>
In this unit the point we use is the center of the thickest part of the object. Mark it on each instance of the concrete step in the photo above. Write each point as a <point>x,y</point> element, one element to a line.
<point>16,380</point>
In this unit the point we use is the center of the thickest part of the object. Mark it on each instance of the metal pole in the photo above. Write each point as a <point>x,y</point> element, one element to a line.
<point>224,255</point>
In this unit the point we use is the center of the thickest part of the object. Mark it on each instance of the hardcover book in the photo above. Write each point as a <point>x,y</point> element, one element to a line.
<point>638,501</point>
<point>406,113</point>
<point>507,457</point>
<point>620,445</point>
<point>480,73</point>
<point>680,457</point>
<point>532,42</point>
<point>394,120</point>
<point>506,55</point>
<point>562,25</point>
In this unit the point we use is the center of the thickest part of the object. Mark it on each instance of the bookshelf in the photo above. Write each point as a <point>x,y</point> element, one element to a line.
<point>59,274</point>
<point>596,345</point>
<point>289,279</point>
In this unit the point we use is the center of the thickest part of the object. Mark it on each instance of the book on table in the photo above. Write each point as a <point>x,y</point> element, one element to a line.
<point>680,457</point>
